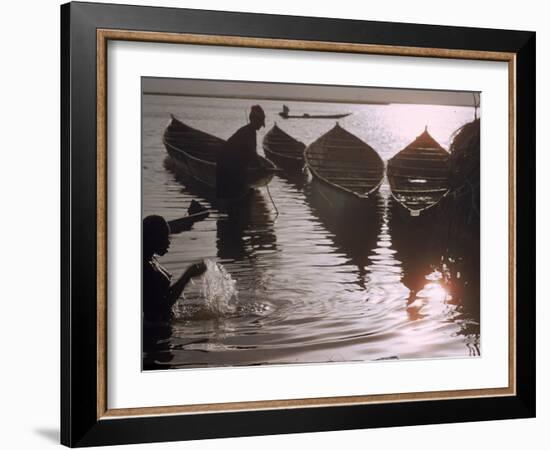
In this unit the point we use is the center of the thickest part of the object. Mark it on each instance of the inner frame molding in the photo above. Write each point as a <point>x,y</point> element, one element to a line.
<point>105,35</point>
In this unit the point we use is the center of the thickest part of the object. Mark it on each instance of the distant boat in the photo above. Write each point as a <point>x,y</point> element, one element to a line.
<point>285,151</point>
<point>347,170</point>
<point>419,175</point>
<point>285,115</point>
<point>193,155</point>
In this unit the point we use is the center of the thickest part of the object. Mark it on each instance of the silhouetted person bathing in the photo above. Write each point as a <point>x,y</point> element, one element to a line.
<point>238,153</point>
<point>159,294</point>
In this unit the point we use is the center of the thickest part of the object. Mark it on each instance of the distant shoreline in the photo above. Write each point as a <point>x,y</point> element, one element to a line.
<point>255,97</point>
<point>315,93</point>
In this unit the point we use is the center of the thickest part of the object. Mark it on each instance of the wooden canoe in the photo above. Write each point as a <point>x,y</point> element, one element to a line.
<point>347,170</point>
<point>195,213</point>
<point>193,154</point>
<point>419,175</point>
<point>285,151</point>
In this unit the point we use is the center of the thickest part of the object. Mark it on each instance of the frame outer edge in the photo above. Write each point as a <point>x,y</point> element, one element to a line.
<point>79,262</point>
<point>525,225</point>
<point>65,333</point>
<point>78,21</point>
<point>307,28</point>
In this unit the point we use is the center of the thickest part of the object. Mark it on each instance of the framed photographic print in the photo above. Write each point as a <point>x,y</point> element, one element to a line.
<point>276,224</point>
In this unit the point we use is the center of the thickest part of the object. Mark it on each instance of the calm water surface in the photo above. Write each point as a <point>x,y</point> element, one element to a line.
<point>306,290</point>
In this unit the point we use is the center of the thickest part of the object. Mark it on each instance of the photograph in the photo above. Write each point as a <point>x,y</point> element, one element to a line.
<point>306,224</point>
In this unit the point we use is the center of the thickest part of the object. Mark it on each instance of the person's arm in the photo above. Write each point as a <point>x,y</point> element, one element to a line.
<point>177,288</point>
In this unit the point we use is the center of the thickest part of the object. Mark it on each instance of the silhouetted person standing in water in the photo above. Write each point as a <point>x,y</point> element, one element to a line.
<point>238,154</point>
<point>159,294</point>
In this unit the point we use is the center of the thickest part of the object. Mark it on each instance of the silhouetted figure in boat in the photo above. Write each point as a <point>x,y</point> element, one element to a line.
<point>238,154</point>
<point>285,111</point>
<point>159,293</point>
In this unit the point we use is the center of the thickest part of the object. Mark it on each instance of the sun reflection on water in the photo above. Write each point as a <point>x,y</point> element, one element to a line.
<point>307,290</point>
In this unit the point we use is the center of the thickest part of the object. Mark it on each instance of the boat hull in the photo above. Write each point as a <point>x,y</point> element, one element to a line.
<point>294,165</point>
<point>204,175</point>
<point>284,150</point>
<point>188,169</point>
<point>346,171</point>
<point>419,175</point>
<point>336,201</point>
<point>186,149</point>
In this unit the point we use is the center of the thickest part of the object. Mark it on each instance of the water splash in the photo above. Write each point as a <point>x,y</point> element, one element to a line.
<point>218,290</point>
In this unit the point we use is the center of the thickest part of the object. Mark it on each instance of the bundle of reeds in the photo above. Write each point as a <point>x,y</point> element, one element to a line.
<point>464,165</point>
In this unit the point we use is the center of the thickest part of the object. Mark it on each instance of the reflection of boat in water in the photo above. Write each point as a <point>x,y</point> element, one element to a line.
<point>193,155</point>
<point>296,180</point>
<point>354,233</point>
<point>347,171</point>
<point>246,230</point>
<point>419,175</point>
<point>421,242</point>
<point>420,247</point>
<point>284,150</point>
<point>285,115</point>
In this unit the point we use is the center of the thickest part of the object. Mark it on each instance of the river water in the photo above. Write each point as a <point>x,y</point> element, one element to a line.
<point>304,290</point>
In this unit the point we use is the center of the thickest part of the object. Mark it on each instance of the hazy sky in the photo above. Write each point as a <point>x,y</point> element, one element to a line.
<point>303,92</point>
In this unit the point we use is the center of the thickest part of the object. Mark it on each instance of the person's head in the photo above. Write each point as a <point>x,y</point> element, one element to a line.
<point>155,236</point>
<point>257,117</point>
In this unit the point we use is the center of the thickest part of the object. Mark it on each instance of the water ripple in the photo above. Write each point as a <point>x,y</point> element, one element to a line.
<point>305,291</point>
